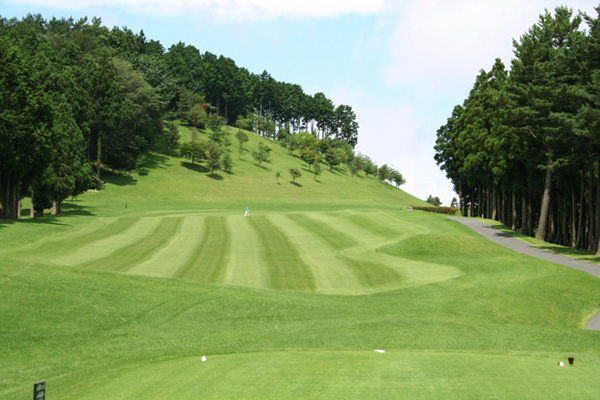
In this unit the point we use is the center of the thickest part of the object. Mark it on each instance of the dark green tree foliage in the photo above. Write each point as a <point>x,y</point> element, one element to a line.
<point>434,201</point>
<point>317,170</point>
<point>242,137</point>
<point>213,156</point>
<point>384,173</point>
<point>172,136</point>
<point>25,123</point>
<point>295,173</point>
<point>262,154</point>
<point>397,178</point>
<point>194,151</point>
<point>523,147</point>
<point>227,162</point>
<point>196,116</point>
<point>120,86</point>
<point>310,157</point>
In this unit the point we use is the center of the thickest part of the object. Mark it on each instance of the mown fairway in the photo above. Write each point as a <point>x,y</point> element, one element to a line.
<point>291,302</point>
<point>316,252</point>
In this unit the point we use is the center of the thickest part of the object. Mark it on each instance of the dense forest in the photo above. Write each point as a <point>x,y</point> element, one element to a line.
<point>524,146</point>
<point>77,98</point>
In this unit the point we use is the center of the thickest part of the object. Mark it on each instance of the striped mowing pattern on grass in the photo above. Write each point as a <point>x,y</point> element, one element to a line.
<point>53,247</point>
<point>287,270</point>
<point>320,252</point>
<point>123,258</point>
<point>208,261</point>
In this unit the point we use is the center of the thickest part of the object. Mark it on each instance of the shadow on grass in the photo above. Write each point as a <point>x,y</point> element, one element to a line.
<point>296,184</point>
<point>263,167</point>
<point>570,252</point>
<point>554,248</point>
<point>154,161</point>
<point>70,208</point>
<point>194,167</point>
<point>216,177</point>
<point>118,178</point>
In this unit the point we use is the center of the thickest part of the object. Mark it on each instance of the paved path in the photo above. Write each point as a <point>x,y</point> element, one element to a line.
<point>519,246</point>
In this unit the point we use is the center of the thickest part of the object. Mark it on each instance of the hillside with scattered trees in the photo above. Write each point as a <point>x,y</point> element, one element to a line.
<point>77,98</point>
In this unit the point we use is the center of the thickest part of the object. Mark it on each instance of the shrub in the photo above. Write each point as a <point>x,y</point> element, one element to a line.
<point>439,210</point>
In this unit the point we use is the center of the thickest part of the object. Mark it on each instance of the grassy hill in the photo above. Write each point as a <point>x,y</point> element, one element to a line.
<point>122,295</point>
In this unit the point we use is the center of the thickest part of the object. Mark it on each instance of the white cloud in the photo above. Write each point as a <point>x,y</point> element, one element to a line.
<point>440,46</point>
<point>391,132</point>
<point>236,10</point>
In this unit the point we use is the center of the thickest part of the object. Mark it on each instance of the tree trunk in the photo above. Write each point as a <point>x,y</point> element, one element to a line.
<point>471,209</point>
<point>54,208</point>
<point>514,211</point>
<point>591,214</point>
<point>9,195</point>
<point>479,200</point>
<point>573,219</point>
<point>494,204</point>
<point>99,160</point>
<point>580,228</point>
<point>564,224</point>
<point>544,209</point>
<point>524,229</point>
<point>460,199</point>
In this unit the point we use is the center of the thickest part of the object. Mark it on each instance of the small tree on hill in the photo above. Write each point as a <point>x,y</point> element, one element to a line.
<point>317,170</point>
<point>262,155</point>
<point>172,136</point>
<point>383,173</point>
<point>335,157</point>
<point>226,136</point>
<point>434,201</point>
<point>196,117</point>
<point>227,162</point>
<point>214,122</point>
<point>397,178</point>
<point>194,134</point>
<point>242,138</point>
<point>355,167</point>
<point>194,151</point>
<point>310,157</point>
<point>295,174</point>
<point>213,156</point>
<point>244,123</point>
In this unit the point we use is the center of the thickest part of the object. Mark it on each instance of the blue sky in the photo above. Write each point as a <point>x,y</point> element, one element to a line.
<point>402,65</point>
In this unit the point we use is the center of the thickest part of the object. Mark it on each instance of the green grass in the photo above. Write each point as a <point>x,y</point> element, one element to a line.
<point>555,248</point>
<point>106,301</point>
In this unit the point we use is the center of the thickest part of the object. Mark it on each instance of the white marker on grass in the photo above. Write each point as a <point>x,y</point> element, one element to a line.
<point>203,358</point>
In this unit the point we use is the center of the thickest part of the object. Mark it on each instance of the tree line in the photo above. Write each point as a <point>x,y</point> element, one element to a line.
<point>523,148</point>
<point>77,98</point>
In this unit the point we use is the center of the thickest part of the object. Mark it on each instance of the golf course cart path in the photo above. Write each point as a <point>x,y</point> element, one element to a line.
<point>519,246</point>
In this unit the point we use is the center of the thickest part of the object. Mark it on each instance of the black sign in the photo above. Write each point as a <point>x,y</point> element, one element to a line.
<point>39,391</point>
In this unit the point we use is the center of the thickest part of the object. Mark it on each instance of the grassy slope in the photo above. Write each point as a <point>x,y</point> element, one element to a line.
<point>464,319</point>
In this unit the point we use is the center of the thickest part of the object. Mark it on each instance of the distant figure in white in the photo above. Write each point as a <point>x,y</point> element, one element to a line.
<point>247,212</point>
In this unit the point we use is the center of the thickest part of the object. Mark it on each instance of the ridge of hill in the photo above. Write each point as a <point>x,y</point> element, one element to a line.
<point>178,183</point>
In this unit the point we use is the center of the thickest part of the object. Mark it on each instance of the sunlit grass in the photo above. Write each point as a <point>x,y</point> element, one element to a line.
<point>121,295</point>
